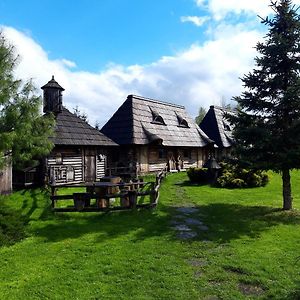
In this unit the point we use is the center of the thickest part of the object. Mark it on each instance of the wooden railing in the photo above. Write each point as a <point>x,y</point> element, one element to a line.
<point>101,196</point>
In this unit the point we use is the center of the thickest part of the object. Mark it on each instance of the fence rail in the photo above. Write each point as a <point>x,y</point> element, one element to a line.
<point>103,197</point>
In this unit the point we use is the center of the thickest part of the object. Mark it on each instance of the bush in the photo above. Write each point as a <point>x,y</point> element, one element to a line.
<point>198,175</point>
<point>233,176</point>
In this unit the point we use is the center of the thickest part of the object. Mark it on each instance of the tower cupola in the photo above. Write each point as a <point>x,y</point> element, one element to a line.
<point>52,96</point>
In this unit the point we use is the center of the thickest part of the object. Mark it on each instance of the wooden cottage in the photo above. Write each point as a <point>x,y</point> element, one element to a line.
<point>80,152</point>
<point>217,128</point>
<point>6,178</point>
<point>154,134</point>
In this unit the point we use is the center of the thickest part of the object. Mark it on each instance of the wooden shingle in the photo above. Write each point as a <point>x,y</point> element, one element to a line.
<point>137,122</point>
<point>71,130</point>
<point>217,127</point>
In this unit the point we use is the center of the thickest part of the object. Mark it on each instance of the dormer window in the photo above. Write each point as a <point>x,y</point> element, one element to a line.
<point>157,118</point>
<point>226,126</point>
<point>182,122</point>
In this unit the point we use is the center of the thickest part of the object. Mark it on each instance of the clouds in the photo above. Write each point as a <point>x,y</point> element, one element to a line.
<point>198,76</point>
<point>219,9</point>
<point>198,21</point>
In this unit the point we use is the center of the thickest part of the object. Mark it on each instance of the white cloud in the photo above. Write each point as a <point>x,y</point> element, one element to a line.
<point>221,8</point>
<point>68,63</point>
<point>198,21</point>
<point>198,76</point>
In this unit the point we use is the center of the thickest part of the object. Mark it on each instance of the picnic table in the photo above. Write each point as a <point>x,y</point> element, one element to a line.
<point>105,192</point>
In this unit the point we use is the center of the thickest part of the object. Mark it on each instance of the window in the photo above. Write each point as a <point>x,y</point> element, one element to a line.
<point>182,122</point>
<point>187,153</point>
<point>157,118</point>
<point>58,159</point>
<point>162,153</point>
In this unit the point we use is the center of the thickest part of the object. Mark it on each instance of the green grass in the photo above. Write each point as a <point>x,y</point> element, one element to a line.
<point>251,250</point>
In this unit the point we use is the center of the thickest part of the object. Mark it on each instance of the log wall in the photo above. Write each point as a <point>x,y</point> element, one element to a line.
<point>67,166</point>
<point>101,165</point>
<point>6,180</point>
<point>155,164</point>
<point>69,170</point>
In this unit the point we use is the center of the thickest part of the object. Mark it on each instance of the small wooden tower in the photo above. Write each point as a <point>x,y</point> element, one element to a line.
<point>80,151</point>
<point>52,96</point>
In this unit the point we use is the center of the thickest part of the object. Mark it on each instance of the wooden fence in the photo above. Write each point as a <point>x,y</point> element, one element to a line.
<point>104,197</point>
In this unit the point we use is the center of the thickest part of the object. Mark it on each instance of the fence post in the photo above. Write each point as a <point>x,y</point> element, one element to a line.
<point>53,193</point>
<point>132,195</point>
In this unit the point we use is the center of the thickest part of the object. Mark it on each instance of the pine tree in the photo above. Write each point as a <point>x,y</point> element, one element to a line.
<point>201,114</point>
<point>24,132</point>
<point>267,125</point>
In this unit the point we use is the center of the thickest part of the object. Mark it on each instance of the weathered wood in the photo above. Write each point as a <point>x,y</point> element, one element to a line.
<point>6,178</point>
<point>128,196</point>
<point>81,200</point>
<point>97,209</point>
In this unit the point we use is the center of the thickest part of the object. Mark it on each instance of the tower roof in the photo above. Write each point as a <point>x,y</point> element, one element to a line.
<point>52,84</point>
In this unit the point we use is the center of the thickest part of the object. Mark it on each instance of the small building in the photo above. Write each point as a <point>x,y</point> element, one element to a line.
<point>80,151</point>
<point>6,177</point>
<point>28,177</point>
<point>218,128</point>
<point>155,134</point>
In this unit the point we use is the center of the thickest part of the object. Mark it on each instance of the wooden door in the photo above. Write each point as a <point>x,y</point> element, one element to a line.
<point>90,168</point>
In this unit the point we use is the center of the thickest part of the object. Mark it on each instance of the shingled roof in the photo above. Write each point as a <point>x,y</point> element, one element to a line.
<point>52,84</point>
<point>217,127</point>
<point>142,121</point>
<point>71,130</point>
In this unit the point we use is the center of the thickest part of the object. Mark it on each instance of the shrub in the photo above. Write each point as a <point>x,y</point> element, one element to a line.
<point>198,175</point>
<point>237,183</point>
<point>233,176</point>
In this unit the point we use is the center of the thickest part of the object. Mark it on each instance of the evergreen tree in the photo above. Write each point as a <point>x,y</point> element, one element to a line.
<point>24,132</point>
<point>83,116</point>
<point>201,115</point>
<point>267,125</point>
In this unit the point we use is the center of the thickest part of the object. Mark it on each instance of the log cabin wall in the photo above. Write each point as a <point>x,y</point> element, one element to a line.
<point>150,158</point>
<point>65,165</point>
<point>157,158</point>
<point>203,155</point>
<point>101,166</point>
<point>6,179</point>
<point>71,165</point>
<point>142,159</point>
<point>188,157</point>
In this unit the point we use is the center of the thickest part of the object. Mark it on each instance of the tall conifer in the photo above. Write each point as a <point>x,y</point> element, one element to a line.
<point>267,126</point>
<point>24,132</point>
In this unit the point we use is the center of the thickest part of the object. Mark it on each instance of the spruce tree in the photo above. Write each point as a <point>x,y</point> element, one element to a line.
<point>201,114</point>
<point>24,132</point>
<point>267,125</point>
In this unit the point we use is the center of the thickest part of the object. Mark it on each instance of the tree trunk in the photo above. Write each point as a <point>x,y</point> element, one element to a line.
<point>286,189</point>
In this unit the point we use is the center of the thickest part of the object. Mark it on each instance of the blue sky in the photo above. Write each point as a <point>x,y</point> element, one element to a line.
<point>190,52</point>
<point>96,32</point>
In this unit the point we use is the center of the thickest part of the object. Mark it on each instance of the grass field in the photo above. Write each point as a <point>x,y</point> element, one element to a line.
<point>250,250</point>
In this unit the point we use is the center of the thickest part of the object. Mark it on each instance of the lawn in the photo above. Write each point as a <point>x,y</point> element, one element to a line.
<point>250,249</point>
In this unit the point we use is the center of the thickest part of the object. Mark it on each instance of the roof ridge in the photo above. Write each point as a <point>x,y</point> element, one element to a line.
<point>155,101</point>
<point>224,109</point>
